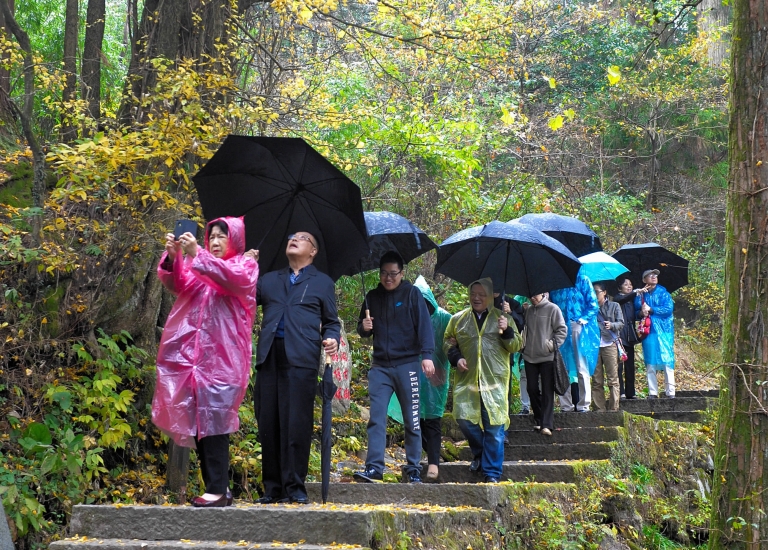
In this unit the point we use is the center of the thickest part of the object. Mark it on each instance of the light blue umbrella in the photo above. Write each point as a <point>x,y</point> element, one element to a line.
<point>599,266</point>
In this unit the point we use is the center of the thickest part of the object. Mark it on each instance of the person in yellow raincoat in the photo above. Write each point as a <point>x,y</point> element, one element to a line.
<point>478,342</point>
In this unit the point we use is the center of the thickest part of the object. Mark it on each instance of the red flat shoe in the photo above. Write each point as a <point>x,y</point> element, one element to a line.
<point>200,502</point>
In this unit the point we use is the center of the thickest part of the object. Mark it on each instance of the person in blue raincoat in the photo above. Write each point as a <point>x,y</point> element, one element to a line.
<point>433,389</point>
<point>659,345</point>
<point>582,344</point>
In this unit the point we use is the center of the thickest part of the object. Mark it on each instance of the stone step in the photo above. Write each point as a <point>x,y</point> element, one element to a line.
<point>84,543</point>
<point>643,406</point>
<point>698,393</point>
<point>260,524</point>
<point>561,471</point>
<point>588,419</point>
<point>479,495</point>
<point>569,451</point>
<point>563,436</point>
<point>678,416</point>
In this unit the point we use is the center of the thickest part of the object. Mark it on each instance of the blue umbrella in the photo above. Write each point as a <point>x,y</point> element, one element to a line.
<point>572,232</point>
<point>599,266</point>
<point>517,257</point>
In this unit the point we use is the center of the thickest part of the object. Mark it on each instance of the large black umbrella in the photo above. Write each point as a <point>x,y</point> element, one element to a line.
<point>388,231</point>
<point>673,269</point>
<point>327,389</point>
<point>517,257</point>
<point>282,185</point>
<point>572,232</point>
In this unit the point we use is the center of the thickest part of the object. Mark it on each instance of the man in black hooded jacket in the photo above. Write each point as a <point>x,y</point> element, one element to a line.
<point>395,314</point>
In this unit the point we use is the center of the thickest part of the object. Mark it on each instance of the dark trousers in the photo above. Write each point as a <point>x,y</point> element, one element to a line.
<point>542,400</point>
<point>284,398</point>
<point>213,452</point>
<point>627,369</point>
<point>431,439</point>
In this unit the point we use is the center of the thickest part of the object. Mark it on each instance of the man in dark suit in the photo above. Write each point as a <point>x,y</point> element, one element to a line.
<point>298,305</point>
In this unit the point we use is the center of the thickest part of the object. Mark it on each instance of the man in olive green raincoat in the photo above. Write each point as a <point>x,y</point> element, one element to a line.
<point>478,342</point>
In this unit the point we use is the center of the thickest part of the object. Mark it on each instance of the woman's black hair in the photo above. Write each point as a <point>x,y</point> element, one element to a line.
<point>221,225</point>
<point>621,278</point>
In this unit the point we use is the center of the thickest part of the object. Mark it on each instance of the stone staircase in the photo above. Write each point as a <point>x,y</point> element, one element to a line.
<point>380,514</point>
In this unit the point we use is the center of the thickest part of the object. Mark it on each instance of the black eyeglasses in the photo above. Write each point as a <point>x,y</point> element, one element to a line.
<point>390,274</point>
<point>295,237</point>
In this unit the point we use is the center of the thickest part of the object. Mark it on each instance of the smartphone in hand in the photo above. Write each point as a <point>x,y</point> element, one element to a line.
<point>184,226</point>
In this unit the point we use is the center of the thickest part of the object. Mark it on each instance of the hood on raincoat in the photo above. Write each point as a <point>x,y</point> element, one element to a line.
<point>235,235</point>
<point>582,344</point>
<point>487,284</point>
<point>204,358</point>
<point>433,391</point>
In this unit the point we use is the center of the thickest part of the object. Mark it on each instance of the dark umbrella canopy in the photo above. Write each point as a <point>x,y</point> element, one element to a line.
<point>673,269</point>
<point>282,185</point>
<point>517,257</point>
<point>572,232</point>
<point>388,231</point>
<point>326,389</point>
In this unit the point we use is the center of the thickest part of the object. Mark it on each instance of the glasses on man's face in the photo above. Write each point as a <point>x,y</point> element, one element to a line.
<point>296,237</point>
<point>389,274</point>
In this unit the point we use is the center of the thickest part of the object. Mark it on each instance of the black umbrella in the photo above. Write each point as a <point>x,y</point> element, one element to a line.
<point>572,232</point>
<point>327,389</point>
<point>388,231</point>
<point>517,257</point>
<point>282,185</point>
<point>673,269</point>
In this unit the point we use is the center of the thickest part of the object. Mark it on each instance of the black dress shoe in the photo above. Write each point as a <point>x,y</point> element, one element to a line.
<point>474,466</point>
<point>266,499</point>
<point>200,502</point>
<point>299,500</point>
<point>230,498</point>
<point>491,479</point>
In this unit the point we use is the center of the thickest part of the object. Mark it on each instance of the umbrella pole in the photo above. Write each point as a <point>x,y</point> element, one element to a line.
<point>504,292</point>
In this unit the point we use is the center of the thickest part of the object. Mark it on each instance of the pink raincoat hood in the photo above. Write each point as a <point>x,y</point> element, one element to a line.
<point>204,360</point>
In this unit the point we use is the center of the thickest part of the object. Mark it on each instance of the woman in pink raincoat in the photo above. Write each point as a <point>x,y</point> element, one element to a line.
<point>204,360</point>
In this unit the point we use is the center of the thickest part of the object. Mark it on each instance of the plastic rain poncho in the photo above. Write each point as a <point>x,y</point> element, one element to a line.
<point>582,344</point>
<point>487,358</point>
<point>433,392</point>
<point>659,345</point>
<point>204,360</point>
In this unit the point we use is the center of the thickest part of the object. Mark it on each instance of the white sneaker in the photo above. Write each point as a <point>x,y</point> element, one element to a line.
<point>546,431</point>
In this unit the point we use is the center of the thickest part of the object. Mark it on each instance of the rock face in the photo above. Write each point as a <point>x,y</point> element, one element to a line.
<point>595,465</point>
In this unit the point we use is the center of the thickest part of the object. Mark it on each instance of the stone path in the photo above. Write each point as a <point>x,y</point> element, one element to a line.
<point>373,515</point>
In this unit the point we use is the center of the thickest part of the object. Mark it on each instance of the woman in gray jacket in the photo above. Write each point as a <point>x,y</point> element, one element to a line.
<point>544,328</point>
<point>611,321</point>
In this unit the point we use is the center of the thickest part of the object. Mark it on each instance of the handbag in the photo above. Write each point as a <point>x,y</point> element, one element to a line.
<point>562,380</point>
<point>643,327</point>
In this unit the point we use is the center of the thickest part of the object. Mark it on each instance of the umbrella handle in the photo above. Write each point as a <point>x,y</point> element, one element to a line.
<point>367,313</point>
<point>327,357</point>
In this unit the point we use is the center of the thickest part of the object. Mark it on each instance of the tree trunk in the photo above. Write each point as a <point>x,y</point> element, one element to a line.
<point>71,23</point>
<point>6,110</point>
<point>713,18</point>
<point>25,114</point>
<point>740,500</point>
<point>173,30</point>
<point>91,69</point>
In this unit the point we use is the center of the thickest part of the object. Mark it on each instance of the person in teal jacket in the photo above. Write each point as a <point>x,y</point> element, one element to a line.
<point>659,345</point>
<point>582,344</point>
<point>434,389</point>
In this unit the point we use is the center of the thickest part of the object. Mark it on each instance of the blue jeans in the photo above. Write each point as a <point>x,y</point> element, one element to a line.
<point>486,444</point>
